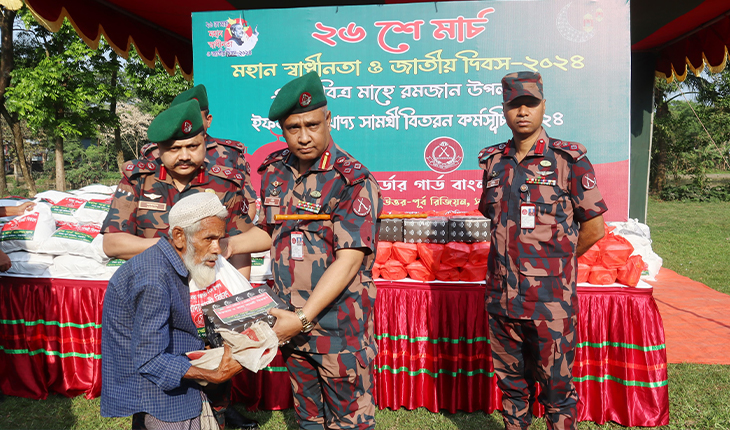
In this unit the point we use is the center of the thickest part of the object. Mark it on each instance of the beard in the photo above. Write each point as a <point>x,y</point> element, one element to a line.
<point>200,273</point>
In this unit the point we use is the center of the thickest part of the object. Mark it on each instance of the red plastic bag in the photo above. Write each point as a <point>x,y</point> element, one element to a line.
<point>376,271</point>
<point>382,254</point>
<point>456,254</point>
<point>393,270</point>
<point>447,273</point>
<point>591,257</point>
<point>479,254</point>
<point>406,253</point>
<point>419,272</point>
<point>602,276</point>
<point>430,254</point>
<point>631,272</point>
<point>615,251</point>
<point>583,271</point>
<point>472,273</point>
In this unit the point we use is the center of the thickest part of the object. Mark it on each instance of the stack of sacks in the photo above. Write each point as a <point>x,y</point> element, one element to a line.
<point>610,260</point>
<point>451,262</point>
<point>61,237</point>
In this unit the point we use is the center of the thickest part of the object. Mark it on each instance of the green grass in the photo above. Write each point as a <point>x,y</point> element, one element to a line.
<point>692,238</point>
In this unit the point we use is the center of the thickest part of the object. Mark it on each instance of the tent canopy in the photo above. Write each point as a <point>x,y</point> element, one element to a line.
<point>685,34</point>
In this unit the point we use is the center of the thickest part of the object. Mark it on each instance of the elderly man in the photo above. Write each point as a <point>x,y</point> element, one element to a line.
<point>545,210</point>
<point>322,267</point>
<point>138,217</point>
<point>147,328</point>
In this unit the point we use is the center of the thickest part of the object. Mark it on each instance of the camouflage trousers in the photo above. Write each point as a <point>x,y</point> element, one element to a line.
<point>529,351</point>
<point>332,391</point>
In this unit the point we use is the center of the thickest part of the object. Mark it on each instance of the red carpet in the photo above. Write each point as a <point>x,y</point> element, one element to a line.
<point>696,319</point>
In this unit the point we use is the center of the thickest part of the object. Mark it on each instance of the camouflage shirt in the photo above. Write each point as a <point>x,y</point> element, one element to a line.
<point>146,193</point>
<point>223,152</point>
<point>339,186</point>
<point>532,272</point>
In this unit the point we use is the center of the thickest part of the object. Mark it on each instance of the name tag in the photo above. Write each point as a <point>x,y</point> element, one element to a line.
<point>297,245</point>
<point>272,201</point>
<point>152,206</point>
<point>527,215</point>
<point>493,183</point>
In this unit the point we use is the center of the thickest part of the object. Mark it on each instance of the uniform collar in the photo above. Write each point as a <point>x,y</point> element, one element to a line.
<point>325,161</point>
<point>538,148</point>
<point>173,257</point>
<point>201,177</point>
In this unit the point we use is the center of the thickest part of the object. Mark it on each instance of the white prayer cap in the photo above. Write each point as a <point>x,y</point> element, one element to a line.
<point>193,208</point>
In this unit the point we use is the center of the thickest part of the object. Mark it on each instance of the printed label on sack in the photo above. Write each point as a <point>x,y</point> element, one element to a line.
<point>67,206</point>
<point>97,206</point>
<point>214,292</point>
<point>83,233</point>
<point>22,228</point>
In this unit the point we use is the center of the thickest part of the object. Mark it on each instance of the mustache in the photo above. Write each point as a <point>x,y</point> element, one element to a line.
<point>184,163</point>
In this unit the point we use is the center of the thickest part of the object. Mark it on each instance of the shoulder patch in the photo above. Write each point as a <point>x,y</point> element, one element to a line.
<point>272,158</point>
<point>351,170</point>
<point>234,144</point>
<point>141,166</point>
<point>226,172</point>
<point>487,152</point>
<point>575,150</point>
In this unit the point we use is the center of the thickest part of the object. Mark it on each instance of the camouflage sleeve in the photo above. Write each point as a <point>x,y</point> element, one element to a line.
<point>248,192</point>
<point>122,216</point>
<point>238,220</point>
<point>587,200</point>
<point>356,215</point>
<point>263,215</point>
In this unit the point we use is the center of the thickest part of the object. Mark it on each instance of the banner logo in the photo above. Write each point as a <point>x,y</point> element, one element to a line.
<point>443,155</point>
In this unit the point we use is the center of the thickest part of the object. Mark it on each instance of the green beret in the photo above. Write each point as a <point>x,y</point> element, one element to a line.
<point>179,122</point>
<point>197,92</point>
<point>301,95</point>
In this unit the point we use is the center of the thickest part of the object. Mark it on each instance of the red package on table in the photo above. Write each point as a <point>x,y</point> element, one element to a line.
<point>393,270</point>
<point>406,253</point>
<point>591,257</point>
<point>456,254</point>
<point>419,272</point>
<point>382,254</point>
<point>479,253</point>
<point>472,273</point>
<point>602,276</point>
<point>376,271</point>
<point>615,251</point>
<point>447,273</point>
<point>430,255</point>
<point>631,272</point>
<point>583,271</point>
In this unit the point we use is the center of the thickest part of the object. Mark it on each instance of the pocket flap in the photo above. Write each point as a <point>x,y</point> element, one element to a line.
<point>537,266</point>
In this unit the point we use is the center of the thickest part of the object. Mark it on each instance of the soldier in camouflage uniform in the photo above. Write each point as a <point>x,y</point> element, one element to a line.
<point>138,217</point>
<point>545,210</point>
<point>322,267</point>
<point>221,152</point>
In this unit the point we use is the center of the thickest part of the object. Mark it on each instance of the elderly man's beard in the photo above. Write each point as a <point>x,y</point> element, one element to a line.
<point>200,273</point>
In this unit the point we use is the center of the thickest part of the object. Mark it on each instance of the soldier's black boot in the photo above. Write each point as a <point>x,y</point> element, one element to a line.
<point>235,420</point>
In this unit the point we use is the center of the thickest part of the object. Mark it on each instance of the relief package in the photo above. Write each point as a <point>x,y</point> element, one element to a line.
<point>29,231</point>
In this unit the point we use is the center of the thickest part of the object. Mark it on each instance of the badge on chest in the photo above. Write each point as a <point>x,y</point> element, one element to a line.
<point>152,206</point>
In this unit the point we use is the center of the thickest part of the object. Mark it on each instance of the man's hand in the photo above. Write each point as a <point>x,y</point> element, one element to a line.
<point>4,262</point>
<point>287,324</point>
<point>16,210</point>
<point>227,369</point>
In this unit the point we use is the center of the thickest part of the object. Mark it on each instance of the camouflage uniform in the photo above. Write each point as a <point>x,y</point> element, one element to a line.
<point>531,296</point>
<point>330,367</point>
<point>146,193</point>
<point>228,153</point>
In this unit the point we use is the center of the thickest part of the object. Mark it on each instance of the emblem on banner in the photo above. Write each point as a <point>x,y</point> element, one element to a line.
<point>443,155</point>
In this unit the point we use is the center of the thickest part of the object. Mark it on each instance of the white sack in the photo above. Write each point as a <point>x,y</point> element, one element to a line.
<point>29,231</point>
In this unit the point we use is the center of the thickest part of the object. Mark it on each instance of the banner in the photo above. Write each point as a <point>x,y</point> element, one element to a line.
<point>414,89</point>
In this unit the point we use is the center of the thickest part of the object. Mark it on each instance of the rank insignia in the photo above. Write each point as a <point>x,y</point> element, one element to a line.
<point>541,181</point>
<point>341,160</point>
<point>309,207</point>
<point>316,194</point>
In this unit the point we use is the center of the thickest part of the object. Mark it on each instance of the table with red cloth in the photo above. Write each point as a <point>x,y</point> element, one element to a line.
<point>433,340</point>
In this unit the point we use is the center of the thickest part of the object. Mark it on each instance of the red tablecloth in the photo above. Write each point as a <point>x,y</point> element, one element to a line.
<point>434,352</point>
<point>434,349</point>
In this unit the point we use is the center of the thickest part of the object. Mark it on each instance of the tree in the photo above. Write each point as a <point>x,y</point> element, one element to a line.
<point>7,64</point>
<point>154,88</point>
<point>132,129</point>
<point>62,95</point>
